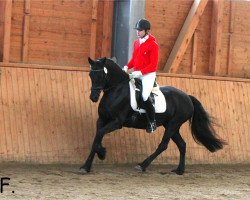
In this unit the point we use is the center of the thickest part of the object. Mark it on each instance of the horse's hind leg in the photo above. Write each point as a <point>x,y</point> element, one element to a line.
<point>181,144</point>
<point>162,147</point>
<point>172,128</point>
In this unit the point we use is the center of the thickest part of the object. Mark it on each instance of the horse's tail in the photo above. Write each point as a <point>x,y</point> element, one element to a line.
<point>202,129</point>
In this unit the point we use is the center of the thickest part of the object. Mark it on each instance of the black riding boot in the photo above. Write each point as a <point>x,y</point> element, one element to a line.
<point>150,113</point>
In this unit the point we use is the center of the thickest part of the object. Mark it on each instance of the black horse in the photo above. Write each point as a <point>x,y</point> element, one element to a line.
<point>115,112</point>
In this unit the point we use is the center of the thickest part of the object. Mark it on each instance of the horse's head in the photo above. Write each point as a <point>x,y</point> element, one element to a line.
<point>98,74</point>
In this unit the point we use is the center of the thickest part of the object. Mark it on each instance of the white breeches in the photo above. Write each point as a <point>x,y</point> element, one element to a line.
<point>147,84</point>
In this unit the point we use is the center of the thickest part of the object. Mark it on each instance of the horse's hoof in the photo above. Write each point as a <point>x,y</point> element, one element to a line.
<point>101,153</point>
<point>139,168</point>
<point>178,171</point>
<point>83,171</point>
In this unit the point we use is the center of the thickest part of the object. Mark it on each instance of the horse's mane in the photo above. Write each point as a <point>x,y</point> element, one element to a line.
<point>115,67</point>
<point>112,63</point>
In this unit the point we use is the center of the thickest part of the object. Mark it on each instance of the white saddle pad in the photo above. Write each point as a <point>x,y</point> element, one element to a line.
<point>160,101</point>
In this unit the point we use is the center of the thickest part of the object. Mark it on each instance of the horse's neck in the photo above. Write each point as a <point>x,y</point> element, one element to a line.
<point>116,76</point>
<point>115,80</point>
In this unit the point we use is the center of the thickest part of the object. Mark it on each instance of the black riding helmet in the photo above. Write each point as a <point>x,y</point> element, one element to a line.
<point>142,24</point>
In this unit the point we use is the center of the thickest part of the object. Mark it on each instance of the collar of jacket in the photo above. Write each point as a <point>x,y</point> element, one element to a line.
<point>142,40</point>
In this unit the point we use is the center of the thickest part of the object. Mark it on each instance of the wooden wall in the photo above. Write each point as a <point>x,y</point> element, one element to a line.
<point>168,17</point>
<point>45,112</point>
<point>63,32</point>
<point>60,32</point>
<point>46,117</point>
<point>240,39</point>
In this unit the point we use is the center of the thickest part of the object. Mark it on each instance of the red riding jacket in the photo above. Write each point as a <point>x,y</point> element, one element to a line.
<point>145,56</point>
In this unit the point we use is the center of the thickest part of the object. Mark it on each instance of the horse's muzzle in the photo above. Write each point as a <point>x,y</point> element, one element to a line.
<point>94,95</point>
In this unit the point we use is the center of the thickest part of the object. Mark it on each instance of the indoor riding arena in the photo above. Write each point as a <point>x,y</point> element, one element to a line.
<point>48,122</point>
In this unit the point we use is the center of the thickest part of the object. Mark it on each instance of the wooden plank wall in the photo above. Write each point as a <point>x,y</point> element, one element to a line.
<point>46,117</point>
<point>240,39</point>
<point>17,20</point>
<point>59,32</point>
<point>168,17</point>
<point>167,20</point>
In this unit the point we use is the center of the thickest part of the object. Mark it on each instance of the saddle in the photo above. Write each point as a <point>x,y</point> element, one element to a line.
<point>156,97</point>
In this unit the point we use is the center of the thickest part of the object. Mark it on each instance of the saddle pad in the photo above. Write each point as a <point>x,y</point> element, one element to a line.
<point>160,101</point>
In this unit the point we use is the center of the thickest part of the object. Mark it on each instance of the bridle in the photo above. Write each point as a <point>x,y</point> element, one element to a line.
<point>105,77</point>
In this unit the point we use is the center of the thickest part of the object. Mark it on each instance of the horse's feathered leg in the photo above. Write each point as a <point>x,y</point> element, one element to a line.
<point>102,129</point>
<point>178,140</point>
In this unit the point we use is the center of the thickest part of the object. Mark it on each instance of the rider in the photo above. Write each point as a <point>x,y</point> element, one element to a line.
<point>144,61</point>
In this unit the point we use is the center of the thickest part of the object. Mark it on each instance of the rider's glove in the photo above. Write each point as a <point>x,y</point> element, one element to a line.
<point>125,68</point>
<point>136,74</point>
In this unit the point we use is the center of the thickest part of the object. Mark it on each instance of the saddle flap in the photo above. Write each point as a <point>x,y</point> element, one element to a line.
<point>159,99</point>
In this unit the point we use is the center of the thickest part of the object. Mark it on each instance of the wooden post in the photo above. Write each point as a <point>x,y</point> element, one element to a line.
<point>216,35</point>
<point>7,31</point>
<point>93,29</point>
<point>230,55</point>
<point>231,43</point>
<point>194,54</point>
<point>26,26</point>
<point>185,35</point>
<point>107,28</point>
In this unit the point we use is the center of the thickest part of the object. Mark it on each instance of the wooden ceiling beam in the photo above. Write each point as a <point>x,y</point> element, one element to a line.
<point>185,36</point>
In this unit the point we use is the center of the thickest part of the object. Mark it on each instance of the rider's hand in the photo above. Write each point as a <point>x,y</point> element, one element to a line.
<point>125,68</point>
<point>136,74</point>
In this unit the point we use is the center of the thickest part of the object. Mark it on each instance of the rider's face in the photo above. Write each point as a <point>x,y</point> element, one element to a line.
<point>140,33</point>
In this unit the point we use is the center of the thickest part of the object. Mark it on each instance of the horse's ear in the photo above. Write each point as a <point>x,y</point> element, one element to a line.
<point>91,62</point>
<point>104,60</point>
<point>114,59</point>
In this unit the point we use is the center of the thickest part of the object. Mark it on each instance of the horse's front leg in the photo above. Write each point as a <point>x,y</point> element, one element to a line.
<point>87,165</point>
<point>102,129</point>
